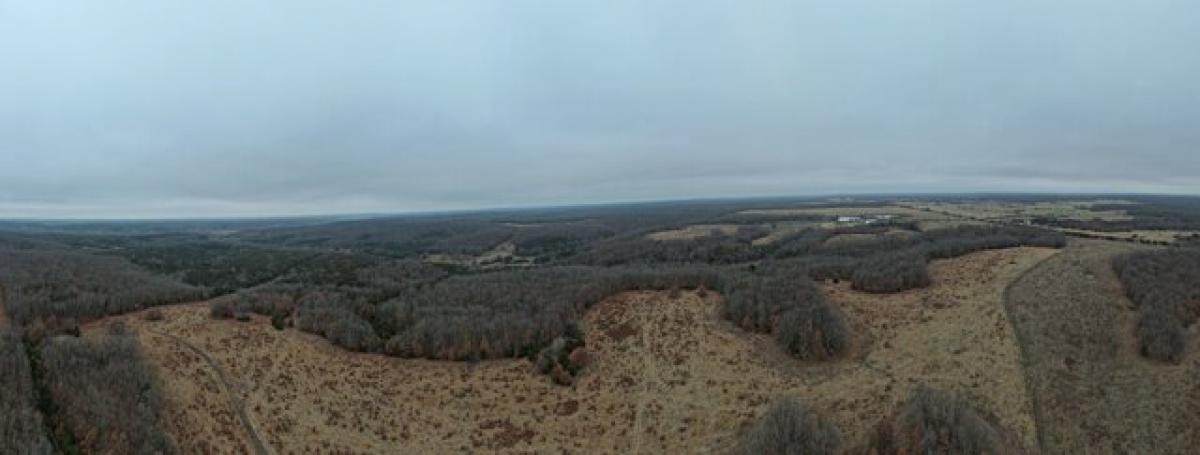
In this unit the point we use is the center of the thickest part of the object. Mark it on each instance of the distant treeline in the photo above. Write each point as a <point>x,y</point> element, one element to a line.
<point>56,284</point>
<point>1176,213</point>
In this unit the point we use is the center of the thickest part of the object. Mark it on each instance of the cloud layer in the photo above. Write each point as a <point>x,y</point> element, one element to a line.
<point>143,108</point>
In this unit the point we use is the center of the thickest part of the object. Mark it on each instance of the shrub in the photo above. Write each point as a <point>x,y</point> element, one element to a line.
<point>933,421</point>
<point>813,333</point>
<point>562,359</point>
<point>580,358</point>
<point>221,309</point>
<point>791,428</point>
<point>153,315</point>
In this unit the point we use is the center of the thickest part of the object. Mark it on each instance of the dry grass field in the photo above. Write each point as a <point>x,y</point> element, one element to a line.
<point>780,230</point>
<point>694,232</point>
<point>1002,210</point>
<point>1095,394</point>
<point>669,376</point>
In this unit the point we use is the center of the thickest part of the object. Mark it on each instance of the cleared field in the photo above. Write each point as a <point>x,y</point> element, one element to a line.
<point>844,211</point>
<point>924,219</point>
<point>1000,210</point>
<point>503,255</point>
<point>670,376</point>
<point>1095,394</point>
<point>781,230</point>
<point>695,232</point>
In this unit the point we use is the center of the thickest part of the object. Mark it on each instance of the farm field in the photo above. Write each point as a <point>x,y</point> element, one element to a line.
<point>1003,210</point>
<point>1098,212</point>
<point>669,376</point>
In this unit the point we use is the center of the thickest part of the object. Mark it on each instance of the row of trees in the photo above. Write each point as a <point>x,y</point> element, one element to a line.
<point>930,421</point>
<point>739,248</point>
<point>22,429</point>
<point>481,316</point>
<point>885,263</point>
<point>1165,286</point>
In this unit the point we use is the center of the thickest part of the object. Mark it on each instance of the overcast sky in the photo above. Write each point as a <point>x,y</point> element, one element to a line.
<point>215,108</point>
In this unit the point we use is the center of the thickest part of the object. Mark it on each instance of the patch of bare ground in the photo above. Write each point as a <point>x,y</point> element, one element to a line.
<point>502,255</point>
<point>781,230</point>
<point>670,376</point>
<point>1095,394</point>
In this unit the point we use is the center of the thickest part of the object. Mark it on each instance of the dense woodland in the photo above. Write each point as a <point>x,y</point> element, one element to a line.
<point>105,396</point>
<point>1165,286</point>
<point>58,285</point>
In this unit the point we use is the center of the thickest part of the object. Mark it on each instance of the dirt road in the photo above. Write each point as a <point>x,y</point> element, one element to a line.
<point>227,388</point>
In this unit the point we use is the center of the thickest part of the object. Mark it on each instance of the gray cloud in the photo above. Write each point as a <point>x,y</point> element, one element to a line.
<point>142,108</point>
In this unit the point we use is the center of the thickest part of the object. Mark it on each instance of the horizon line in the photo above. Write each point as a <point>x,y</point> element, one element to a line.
<point>349,216</point>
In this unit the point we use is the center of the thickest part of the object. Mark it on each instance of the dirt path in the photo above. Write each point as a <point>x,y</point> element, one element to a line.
<point>1019,332</point>
<point>227,387</point>
<point>1092,392</point>
<point>639,421</point>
